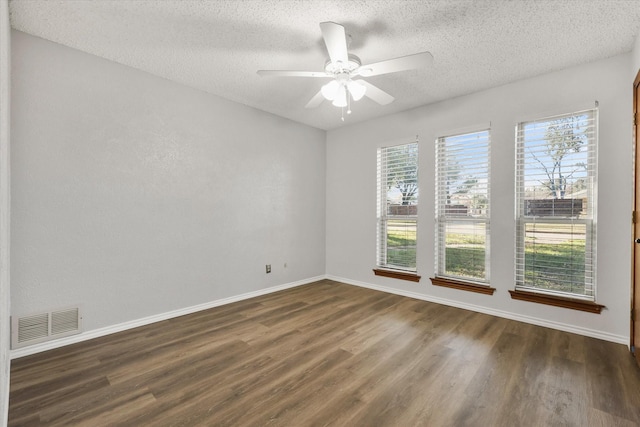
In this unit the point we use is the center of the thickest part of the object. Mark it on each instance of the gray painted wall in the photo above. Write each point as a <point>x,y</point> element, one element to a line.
<point>136,196</point>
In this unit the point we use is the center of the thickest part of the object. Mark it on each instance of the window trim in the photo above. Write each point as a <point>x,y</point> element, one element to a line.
<point>383,217</point>
<point>541,295</point>
<point>397,274</point>
<point>557,300</point>
<point>460,282</point>
<point>462,285</point>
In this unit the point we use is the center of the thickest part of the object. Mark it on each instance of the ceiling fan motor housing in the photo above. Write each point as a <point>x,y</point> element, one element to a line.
<point>341,67</point>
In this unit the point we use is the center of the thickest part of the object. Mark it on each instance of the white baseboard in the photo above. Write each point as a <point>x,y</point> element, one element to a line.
<point>50,345</point>
<point>26,351</point>
<point>620,339</point>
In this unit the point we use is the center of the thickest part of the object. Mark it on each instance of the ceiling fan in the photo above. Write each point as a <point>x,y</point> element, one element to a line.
<point>346,71</point>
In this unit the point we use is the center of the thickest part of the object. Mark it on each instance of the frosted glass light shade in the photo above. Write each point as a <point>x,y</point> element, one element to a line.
<point>341,98</point>
<point>356,89</point>
<point>330,90</point>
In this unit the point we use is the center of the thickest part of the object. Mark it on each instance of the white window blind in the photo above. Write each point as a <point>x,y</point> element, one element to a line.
<point>462,206</point>
<point>556,204</point>
<point>397,206</point>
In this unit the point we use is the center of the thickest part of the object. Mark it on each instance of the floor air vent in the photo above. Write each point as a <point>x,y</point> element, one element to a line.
<point>37,328</point>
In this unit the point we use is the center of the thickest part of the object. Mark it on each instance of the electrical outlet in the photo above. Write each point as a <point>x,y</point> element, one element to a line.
<point>268,268</point>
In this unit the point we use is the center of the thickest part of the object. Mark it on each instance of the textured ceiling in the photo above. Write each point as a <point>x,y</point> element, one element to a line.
<point>217,46</point>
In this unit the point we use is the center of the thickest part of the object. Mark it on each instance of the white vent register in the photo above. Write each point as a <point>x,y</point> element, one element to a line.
<point>37,328</point>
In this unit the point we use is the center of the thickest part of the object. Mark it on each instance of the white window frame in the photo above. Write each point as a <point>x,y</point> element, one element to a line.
<point>586,220</point>
<point>446,217</point>
<point>384,216</point>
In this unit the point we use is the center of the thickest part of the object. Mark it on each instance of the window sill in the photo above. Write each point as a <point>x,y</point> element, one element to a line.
<point>557,301</point>
<point>462,285</point>
<point>413,277</point>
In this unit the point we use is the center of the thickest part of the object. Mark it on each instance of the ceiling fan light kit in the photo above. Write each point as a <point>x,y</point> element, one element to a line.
<point>337,90</point>
<point>342,67</point>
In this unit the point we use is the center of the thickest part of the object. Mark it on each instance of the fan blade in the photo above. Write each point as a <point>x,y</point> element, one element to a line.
<point>286,73</point>
<point>336,40</point>
<point>409,62</point>
<point>315,101</point>
<point>377,94</point>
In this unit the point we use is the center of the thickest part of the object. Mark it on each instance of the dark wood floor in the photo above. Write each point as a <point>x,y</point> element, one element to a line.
<point>330,354</point>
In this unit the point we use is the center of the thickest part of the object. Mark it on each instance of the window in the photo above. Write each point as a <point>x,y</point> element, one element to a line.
<point>462,207</point>
<point>556,205</point>
<point>397,207</point>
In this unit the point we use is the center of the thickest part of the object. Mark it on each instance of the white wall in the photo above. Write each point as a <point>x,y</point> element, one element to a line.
<point>5,48</point>
<point>351,191</point>
<point>135,196</point>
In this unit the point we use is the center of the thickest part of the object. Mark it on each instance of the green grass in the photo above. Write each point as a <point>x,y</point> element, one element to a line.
<point>401,244</point>
<point>394,240</point>
<point>464,255</point>
<point>464,239</point>
<point>465,262</point>
<point>560,266</point>
<point>402,257</point>
<point>552,266</point>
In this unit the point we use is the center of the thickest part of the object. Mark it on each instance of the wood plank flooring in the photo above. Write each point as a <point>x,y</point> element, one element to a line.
<point>330,354</point>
